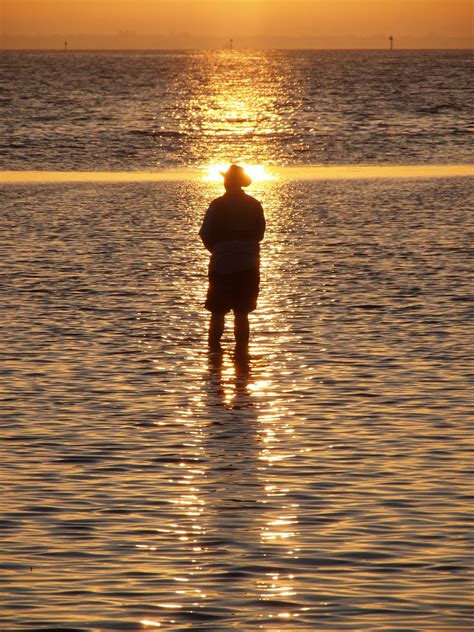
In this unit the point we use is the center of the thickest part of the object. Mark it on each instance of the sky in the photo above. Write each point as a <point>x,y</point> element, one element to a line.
<point>250,23</point>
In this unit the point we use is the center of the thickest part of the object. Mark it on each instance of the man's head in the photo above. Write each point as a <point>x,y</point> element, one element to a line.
<point>235,178</point>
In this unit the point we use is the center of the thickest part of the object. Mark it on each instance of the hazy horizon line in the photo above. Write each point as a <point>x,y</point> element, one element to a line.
<point>249,48</point>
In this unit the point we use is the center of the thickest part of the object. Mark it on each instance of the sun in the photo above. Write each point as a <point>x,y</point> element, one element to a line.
<point>256,172</point>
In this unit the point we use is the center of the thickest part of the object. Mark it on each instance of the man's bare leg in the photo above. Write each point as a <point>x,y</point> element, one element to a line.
<point>216,329</point>
<point>241,331</point>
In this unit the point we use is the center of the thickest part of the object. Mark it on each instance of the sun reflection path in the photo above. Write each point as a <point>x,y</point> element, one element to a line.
<point>249,445</point>
<point>231,506</point>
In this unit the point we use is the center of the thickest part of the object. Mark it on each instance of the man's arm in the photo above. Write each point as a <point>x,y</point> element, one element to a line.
<point>206,229</point>
<point>261,225</point>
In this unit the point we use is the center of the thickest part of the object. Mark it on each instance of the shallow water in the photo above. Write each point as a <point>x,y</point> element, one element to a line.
<point>322,485</point>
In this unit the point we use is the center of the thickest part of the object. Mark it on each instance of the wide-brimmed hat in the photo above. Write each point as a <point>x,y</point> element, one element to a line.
<point>235,174</point>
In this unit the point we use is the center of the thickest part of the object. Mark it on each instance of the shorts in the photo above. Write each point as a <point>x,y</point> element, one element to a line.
<point>237,291</point>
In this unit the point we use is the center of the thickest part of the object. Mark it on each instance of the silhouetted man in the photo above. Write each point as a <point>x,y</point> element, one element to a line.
<point>232,230</point>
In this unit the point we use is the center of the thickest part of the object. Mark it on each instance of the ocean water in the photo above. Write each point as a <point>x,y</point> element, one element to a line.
<point>324,483</point>
<point>161,109</point>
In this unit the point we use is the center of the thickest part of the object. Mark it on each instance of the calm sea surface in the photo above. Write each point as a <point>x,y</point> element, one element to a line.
<point>326,482</point>
<point>145,110</point>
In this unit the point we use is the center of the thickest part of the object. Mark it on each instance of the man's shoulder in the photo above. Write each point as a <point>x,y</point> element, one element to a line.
<point>218,201</point>
<point>227,200</point>
<point>251,200</point>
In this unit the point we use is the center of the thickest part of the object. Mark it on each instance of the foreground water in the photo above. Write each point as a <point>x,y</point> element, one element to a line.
<point>321,485</point>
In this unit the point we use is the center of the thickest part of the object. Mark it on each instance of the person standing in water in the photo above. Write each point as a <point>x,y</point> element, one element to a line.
<point>233,227</point>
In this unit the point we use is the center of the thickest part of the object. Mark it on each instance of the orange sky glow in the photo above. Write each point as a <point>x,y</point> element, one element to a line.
<point>251,23</point>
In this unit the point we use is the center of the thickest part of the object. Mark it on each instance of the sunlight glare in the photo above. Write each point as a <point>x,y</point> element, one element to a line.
<point>256,172</point>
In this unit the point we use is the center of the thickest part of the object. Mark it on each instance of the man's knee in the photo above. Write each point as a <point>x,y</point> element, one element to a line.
<point>242,317</point>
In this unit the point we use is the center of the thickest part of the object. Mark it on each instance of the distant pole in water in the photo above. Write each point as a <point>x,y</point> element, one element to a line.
<point>231,46</point>
<point>65,46</point>
<point>391,42</point>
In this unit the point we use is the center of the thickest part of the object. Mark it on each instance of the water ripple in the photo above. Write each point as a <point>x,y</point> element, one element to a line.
<point>321,484</point>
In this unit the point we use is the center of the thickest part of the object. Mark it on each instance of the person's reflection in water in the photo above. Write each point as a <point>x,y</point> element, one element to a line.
<point>241,398</point>
<point>232,230</point>
<point>234,508</point>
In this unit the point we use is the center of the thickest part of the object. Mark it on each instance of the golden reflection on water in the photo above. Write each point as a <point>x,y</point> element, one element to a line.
<point>235,109</point>
<point>279,528</point>
<point>236,452</point>
<point>238,386</point>
<point>260,426</point>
